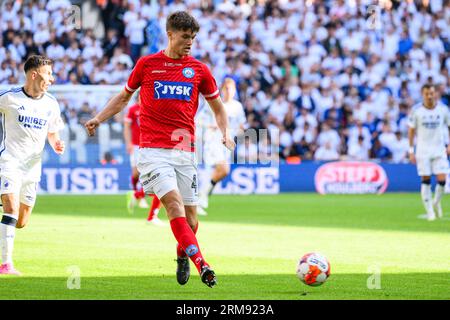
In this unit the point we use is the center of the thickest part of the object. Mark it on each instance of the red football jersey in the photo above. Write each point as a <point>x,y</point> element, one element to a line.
<point>169,99</point>
<point>133,119</point>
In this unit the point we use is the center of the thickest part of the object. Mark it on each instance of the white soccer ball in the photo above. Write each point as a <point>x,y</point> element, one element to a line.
<point>313,269</point>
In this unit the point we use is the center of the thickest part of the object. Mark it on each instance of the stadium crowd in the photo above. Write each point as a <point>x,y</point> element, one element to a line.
<point>335,78</point>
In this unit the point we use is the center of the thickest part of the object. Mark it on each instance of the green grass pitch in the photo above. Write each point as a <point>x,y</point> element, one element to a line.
<point>253,243</point>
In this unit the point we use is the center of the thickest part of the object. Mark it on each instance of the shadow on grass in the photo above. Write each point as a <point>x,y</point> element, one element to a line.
<point>416,286</point>
<point>370,212</point>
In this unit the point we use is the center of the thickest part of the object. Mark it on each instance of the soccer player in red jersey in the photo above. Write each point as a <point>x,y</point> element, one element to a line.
<point>171,81</point>
<point>131,134</point>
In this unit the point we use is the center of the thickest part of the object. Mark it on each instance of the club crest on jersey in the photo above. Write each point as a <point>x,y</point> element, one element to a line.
<point>173,90</point>
<point>188,73</point>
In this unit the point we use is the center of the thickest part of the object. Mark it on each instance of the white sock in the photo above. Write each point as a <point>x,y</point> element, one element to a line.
<point>204,195</point>
<point>438,193</point>
<point>7,234</point>
<point>425,191</point>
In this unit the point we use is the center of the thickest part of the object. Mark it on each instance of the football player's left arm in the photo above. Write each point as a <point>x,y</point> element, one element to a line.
<point>243,119</point>
<point>56,143</point>
<point>448,145</point>
<point>447,123</point>
<point>222,121</point>
<point>411,135</point>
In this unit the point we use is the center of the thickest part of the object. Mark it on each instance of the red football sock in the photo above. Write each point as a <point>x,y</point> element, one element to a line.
<point>139,194</point>
<point>180,251</point>
<point>186,238</point>
<point>134,182</point>
<point>156,203</point>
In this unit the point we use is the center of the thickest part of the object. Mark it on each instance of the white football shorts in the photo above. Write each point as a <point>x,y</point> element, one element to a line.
<point>163,170</point>
<point>18,183</point>
<point>427,166</point>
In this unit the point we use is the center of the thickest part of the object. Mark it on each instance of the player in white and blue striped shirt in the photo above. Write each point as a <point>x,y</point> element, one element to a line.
<point>30,116</point>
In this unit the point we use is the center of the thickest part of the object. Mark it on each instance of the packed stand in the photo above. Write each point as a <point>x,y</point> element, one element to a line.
<point>335,78</point>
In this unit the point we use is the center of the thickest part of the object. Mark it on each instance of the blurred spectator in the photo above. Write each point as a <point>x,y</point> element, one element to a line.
<point>110,42</point>
<point>358,150</point>
<point>400,148</point>
<point>387,137</point>
<point>326,153</point>
<point>85,113</point>
<point>304,138</point>
<point>134,30</point>
<point>329,136</point>
<point>405,43</point>
<point>356,132</point>
<point>108,158</point>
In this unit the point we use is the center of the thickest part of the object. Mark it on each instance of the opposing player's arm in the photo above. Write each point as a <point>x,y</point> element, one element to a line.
<point>3,100</point>
<point>127,135</point>
<point>448,145</point>
<point>447,124</point>
<point>114,106</point>
<point>411,135</point>
<point>222,121</point>
<point>220,114</point>
<point>412,125</point>
<point>242,119</point>
<point>55,142</point>
<point>208,88</point>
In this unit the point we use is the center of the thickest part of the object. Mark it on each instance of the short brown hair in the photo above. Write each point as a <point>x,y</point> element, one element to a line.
<point>36,61</point>
<point>427,86</point>
<point>182,21</point>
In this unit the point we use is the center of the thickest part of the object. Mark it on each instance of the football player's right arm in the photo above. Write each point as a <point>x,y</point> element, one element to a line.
<point>447,126</point>
<point>56,143</point>
<point>242,118</point>
<point>114,106</point>
<point>412,125</point>
<point>411,134</point>
<point>448,146</point>
<point>3,102</point>
<point>222,122</point>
